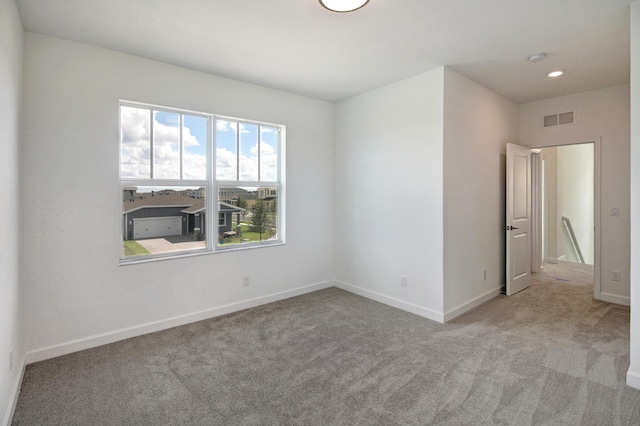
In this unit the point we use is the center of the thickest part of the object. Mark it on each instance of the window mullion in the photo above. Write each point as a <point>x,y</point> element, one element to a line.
<point>259,150</point>
<point>151,145</point>
<point>237,150</point>
<point>212,188</point>
<point>181,124</point>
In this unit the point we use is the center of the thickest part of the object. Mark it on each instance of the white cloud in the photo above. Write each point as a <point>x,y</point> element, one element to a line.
<point>134,156</point>
<point>135,153</point>
<point>268,162</point>
<point>267,130</point>
<point>249,166</point>
<point>225,164</point>
<point>195,166</point>
<point>225,126</point>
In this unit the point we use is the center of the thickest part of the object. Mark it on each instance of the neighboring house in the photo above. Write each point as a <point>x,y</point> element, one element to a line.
<point>194,193</point>
<point>231,196</point>
<point>225,216</point>
<point>269,196</point>
<point>230,193</point>
<point>167,213</point>
<point>267,193</point>
<point>129,193</point>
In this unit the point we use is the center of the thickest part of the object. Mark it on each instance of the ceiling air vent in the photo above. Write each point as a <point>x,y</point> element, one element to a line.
<point>560,119</point>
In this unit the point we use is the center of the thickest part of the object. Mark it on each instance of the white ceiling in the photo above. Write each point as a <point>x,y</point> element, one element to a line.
<point>297,46</point>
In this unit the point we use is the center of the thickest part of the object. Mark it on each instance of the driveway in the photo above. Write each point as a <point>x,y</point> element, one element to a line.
<point>172,243</point>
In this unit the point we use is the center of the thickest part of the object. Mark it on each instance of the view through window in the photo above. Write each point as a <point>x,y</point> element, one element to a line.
<point>177,165</point>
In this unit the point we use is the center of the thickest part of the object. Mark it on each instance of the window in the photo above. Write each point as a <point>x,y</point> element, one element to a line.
<point>171,164</point>
<point>248,180</point>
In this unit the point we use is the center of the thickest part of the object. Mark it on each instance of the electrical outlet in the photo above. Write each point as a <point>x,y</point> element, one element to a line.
<point>615,275</point>
<point>246,281</point>
<point>615,211</point>
<point>484,275</point>
<point>403,280</point>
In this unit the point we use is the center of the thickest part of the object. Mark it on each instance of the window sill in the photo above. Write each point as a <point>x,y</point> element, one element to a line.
<point>230,248</point>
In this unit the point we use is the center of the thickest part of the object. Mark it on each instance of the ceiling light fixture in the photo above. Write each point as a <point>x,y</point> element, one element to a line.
<point>537,57</point>
<point>343,5</point>
<point>556,73</point>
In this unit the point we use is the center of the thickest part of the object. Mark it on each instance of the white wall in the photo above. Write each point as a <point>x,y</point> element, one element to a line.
<point>604,115</point>
<point>11,336</point>
<point>389,194</point>
<point>393,159</point>
<point>633,375</point>
<point>410,160</point>
<point>478,124</point>
<point>77,295</point>
<point>575,199</point>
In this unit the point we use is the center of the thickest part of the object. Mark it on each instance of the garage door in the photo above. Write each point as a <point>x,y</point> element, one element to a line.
<point>153,227</point>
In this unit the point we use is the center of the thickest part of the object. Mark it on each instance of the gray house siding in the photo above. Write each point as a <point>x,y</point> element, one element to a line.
<point>228,223</point>
<point>228,226</point>
<point>198,222</point>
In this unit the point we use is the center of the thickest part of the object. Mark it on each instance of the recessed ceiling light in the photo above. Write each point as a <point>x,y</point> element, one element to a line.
<point>343,5</point>
<point>556,73</point>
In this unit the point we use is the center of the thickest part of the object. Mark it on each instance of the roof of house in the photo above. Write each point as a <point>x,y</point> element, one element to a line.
<point>226,207</point>
<point>172,199</point>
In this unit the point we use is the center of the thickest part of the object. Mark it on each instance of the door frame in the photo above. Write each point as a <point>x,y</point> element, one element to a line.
<point>596,141</point>
<point>536,211</point>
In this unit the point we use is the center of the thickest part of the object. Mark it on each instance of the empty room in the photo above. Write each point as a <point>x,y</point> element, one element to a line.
<point>394,242</point>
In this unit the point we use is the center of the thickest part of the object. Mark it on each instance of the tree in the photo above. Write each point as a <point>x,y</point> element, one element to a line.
<point>241,202</point>
<point>260,219</point>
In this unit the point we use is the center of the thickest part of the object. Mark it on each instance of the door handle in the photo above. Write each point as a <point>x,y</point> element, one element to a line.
<point>510,228</point>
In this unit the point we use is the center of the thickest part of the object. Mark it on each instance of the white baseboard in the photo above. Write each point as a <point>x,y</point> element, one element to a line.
<point>556,260</point>
<point>633,379</point>
<point>15,391</point>
<point>614,298</point>
<point>392,301</point>
<point>126,333</point>
<point>467,306</point>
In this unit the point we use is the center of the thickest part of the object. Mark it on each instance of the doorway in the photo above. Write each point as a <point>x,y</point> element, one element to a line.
<point>569,197</point>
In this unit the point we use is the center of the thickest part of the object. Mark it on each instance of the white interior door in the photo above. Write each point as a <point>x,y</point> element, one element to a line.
<point>518,226</point>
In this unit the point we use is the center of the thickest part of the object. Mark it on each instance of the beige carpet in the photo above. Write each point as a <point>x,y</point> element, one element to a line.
<point>549,355</point>
<point>577,273</point>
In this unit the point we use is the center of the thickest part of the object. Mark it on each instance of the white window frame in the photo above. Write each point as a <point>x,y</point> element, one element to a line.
<point>211,184</point>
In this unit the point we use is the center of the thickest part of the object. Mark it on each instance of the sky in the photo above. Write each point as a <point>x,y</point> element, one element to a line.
<point>251,138</point>
<point>237,148</point>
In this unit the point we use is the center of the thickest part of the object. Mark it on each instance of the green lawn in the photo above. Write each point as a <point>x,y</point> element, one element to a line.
<point>246,235</point>
<point>131,248</point>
